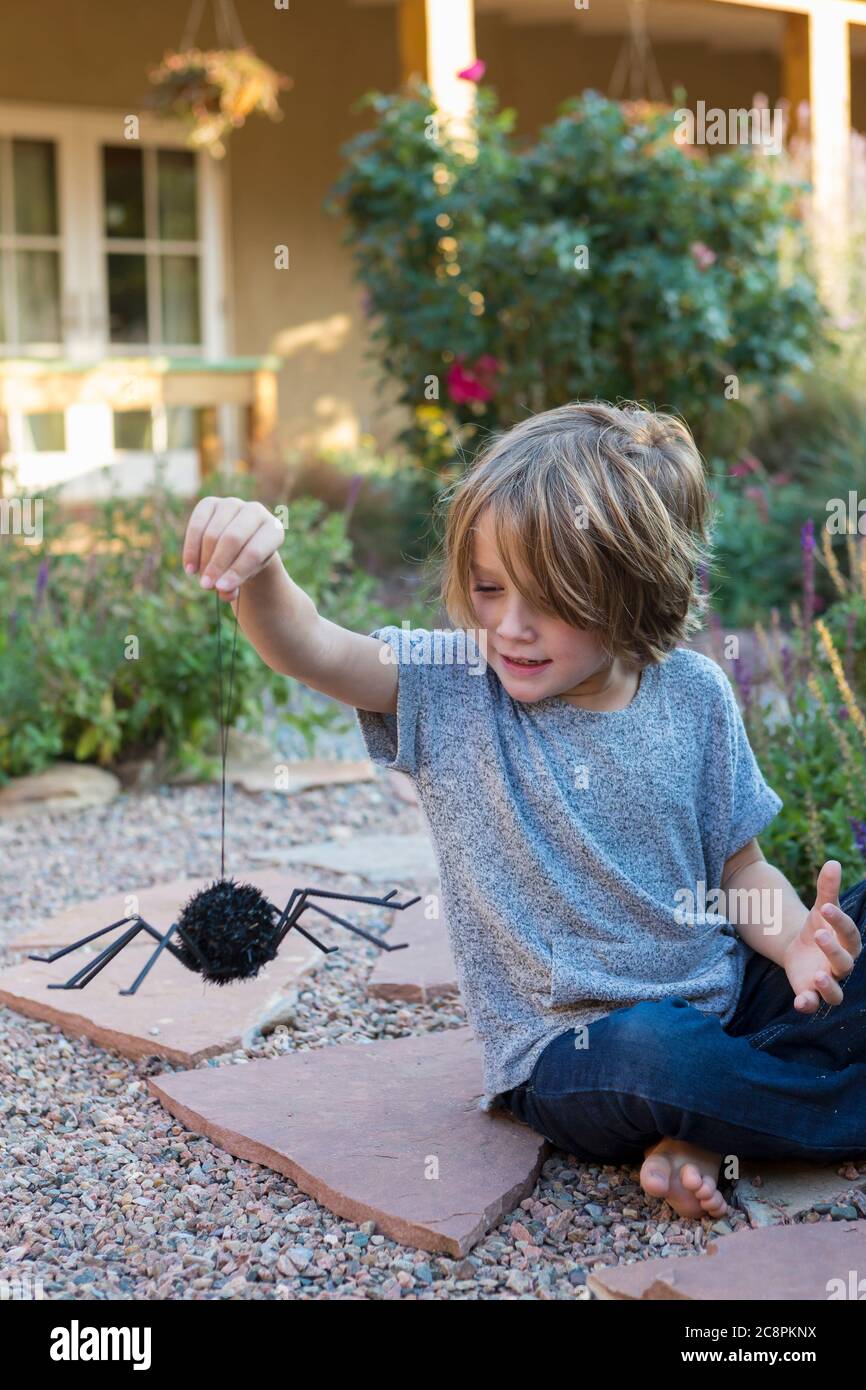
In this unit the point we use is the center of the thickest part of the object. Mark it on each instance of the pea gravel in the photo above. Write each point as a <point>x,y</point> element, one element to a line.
<point>104,1196</point>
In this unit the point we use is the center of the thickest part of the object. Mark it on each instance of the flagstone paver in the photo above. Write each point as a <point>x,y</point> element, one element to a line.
<point>427,970</point>
<point>379,858</point>
<point>798,1262</point>
<point>388,1131</point>
<point>62,787</point>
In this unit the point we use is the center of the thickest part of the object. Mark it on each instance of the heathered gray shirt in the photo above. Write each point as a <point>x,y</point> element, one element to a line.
<point>574,845</point>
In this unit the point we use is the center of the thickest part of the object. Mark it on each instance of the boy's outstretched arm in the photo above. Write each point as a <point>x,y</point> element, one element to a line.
<point>233,545</point>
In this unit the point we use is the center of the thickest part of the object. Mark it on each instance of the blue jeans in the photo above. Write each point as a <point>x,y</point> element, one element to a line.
<point>771,1083</point>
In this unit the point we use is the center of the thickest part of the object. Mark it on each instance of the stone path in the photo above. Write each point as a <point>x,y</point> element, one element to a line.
<point>104,1193</point>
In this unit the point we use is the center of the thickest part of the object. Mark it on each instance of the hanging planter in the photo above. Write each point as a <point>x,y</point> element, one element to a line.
<point>212,91</point>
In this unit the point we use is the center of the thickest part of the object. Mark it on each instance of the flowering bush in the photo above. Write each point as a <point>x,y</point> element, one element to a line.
<point>603,261</point>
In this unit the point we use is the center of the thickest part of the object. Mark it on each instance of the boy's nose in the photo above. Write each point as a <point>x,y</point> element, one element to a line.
<point>515,624</point>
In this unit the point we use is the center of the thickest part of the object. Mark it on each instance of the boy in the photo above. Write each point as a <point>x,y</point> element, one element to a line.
<point>583,777</point>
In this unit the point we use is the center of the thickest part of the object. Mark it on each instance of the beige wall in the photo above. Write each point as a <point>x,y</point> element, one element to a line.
<point>95,53</point>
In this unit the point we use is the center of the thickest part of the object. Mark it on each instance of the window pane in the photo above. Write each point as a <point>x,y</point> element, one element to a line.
<point>177,201</point>
<point>45,431</point>
<point>181,431</point>
<point>34,183</point>
<point>38,285</point>
<point>180,321</point>
<point>127,298</point>
<point>124,191</point>
<point>132,430</point>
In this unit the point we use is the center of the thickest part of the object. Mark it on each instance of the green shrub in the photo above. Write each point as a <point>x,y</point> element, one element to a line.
<point>481,304</point>
<point>70,683</point>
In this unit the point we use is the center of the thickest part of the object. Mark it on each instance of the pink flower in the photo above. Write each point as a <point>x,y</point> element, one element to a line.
<point>474,383</point>
<point>747,464</point>
<point>780,479</point>
<point>702,255</point>
<point>474,72</point>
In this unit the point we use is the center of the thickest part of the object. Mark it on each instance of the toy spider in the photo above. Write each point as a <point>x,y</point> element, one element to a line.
<point>225,932</point>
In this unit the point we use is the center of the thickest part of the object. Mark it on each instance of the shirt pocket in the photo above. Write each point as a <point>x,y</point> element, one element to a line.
<point>585,968</point>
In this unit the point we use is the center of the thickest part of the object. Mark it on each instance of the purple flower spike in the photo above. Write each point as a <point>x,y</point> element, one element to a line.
<point>807,537</point>
<point>859,829</point>
<point>41,582</point>
<point>807,545</point>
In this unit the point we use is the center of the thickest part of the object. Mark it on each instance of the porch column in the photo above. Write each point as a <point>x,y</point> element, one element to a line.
<point>830,112</point>
<point>795,66</point>
<point>437,40</point>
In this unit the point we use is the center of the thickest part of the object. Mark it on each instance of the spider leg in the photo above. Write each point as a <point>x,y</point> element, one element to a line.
<point>64,950</point>
<point>326,950</point>
<point>292,912</point>
<point>151,961</point>
<point>92,968</point>
<point>359,931</point>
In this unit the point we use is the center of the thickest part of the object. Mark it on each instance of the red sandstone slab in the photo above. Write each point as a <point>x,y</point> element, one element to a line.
<point>799,1262</point>
<point>387,1131</point>
<point>427,969</point>
<point>174,1013</point>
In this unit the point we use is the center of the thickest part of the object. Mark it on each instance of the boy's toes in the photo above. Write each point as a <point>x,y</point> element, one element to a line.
<point>655,1176</point>
<point>704,1188</point>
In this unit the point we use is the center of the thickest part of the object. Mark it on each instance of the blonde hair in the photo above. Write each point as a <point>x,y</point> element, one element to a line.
<point>605,509</point>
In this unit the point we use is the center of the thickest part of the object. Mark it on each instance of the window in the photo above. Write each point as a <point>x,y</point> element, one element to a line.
<point>164,429</point>
<point>152,251</point>
<point>30,246</point>
<point>45,431</point>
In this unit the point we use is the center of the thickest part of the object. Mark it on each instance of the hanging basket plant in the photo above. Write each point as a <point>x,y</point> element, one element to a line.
<point>213,91</point>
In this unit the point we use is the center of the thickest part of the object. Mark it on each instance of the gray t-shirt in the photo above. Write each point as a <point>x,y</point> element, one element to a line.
<point>577,849</point>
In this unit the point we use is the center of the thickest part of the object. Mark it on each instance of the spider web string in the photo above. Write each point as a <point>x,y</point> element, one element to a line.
<point>224,717</point>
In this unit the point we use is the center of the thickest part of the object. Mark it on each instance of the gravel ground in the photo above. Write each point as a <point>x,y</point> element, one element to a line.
<point>103,1195</point>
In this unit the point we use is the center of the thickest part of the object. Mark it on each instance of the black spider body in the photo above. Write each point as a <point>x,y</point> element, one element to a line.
<point>234,927</point>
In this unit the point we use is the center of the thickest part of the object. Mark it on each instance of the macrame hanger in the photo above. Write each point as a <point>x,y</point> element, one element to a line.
<point>224,717</point>
<point>228,28</point>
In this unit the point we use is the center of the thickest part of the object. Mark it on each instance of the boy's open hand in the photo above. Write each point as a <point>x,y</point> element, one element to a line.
<point>825,948</point>
<point>229,541</point>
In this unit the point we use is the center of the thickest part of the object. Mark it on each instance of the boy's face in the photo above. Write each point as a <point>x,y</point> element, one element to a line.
<point>568,656</point>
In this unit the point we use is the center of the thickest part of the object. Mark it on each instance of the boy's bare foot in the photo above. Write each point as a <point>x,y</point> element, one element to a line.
<point>685,1176</point>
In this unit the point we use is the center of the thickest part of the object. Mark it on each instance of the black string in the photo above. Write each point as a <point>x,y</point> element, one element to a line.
<point>224,717</point>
